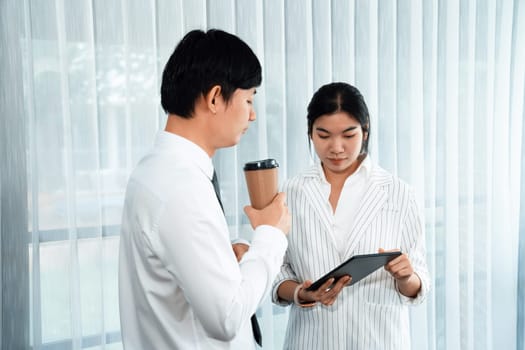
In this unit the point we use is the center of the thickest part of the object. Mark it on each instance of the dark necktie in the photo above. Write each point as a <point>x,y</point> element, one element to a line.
<point>255,325</point>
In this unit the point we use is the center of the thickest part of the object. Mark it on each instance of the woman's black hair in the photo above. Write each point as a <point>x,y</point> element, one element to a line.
<point>202,60</point>
<point>339,97</point>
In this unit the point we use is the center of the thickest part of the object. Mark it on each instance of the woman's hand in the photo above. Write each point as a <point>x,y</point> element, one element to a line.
<point>401,269</point>
<point>326,294</point>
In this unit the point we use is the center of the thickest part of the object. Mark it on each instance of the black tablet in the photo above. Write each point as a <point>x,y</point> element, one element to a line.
<point>358,266</point>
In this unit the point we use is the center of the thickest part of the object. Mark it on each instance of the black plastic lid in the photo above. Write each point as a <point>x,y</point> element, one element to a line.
<point>261,164</point>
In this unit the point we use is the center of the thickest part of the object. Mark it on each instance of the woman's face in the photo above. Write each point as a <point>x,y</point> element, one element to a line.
<point>337,140</point>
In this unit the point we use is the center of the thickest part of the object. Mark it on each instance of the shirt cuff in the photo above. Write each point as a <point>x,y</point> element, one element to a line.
<point>275,297</point>
<point>241,241</point>
<point>421,295</point>
<point>270,237</point>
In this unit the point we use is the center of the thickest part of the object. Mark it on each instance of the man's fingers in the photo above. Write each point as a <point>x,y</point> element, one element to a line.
<point>280,198</point>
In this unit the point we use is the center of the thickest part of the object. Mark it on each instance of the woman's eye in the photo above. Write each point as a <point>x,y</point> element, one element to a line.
<point>323,136</point>
<point>349,136</point>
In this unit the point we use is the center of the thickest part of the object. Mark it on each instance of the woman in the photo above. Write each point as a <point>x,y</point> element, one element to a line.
<point>343,206</point>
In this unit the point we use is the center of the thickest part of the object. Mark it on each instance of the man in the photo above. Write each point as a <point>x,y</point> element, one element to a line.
<point>180,285</point>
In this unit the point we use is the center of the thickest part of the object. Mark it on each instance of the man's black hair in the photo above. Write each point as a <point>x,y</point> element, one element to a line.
<point>202,60</point>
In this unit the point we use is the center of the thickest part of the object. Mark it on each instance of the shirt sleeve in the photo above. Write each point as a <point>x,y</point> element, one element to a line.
<point>193,243</point>
<point>413,232</point>
<point>286,273</point>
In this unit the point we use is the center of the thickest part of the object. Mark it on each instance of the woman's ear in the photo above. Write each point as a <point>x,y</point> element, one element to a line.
<point>211,98</point>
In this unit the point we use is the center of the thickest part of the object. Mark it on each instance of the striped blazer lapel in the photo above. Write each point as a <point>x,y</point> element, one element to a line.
<point>373,199</point>
<point>316,197</point>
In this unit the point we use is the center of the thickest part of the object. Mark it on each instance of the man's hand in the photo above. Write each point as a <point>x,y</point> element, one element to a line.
<point>275,214</point>
<point>239,249</point>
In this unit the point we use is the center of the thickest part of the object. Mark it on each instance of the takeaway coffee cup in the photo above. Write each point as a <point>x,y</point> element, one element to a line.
<point>261,179</point>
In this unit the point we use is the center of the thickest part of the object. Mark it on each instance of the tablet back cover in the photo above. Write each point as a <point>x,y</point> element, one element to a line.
<point>358,266</point>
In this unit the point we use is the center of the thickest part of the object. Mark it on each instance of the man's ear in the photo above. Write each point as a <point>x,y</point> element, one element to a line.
<point>211,98</point>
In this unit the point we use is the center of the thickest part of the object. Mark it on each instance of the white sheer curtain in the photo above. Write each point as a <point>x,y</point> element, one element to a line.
<point>444,81</point>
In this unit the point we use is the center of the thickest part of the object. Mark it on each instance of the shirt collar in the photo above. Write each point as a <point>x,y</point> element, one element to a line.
<point>172,143</point>
<point>365,167</point>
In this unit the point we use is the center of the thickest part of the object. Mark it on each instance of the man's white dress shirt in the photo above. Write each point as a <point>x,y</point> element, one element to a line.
<point>180,285</point>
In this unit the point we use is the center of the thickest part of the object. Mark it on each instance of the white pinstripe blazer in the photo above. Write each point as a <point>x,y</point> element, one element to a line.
<point>371,314</point>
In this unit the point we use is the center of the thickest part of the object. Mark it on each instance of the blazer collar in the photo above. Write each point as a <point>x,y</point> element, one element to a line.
<point>373,199</point>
